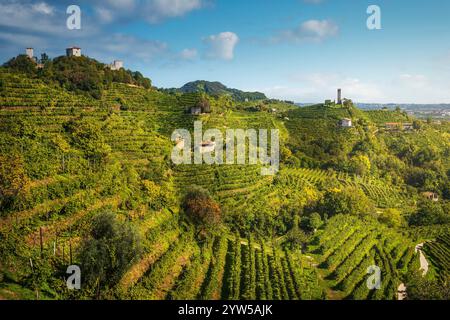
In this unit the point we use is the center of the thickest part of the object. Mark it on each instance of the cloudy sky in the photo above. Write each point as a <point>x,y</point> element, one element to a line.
<point>299,50</point>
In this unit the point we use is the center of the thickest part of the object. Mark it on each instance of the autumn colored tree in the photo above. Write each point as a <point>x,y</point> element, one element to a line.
<point>201,209</point>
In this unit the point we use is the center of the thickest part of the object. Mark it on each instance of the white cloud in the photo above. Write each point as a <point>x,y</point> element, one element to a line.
<point>309,31</point>
<point>22,40</point>
<point>43,8</point>
<point>318,87</point>
<point>105,15</point>
<point>188,54</point>
<point>403,88</point>
<point>222,45</point>
<point>151,11</point>
<point>121,45</point>
<point>159,10</point>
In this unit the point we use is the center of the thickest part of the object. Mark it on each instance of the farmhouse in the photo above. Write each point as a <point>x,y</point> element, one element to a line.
<point>346,123</point>
<point>73,52</point>
<point>431,196</point>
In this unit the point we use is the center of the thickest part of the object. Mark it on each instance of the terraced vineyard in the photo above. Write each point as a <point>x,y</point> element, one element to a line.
<point>74,158</point>
<point>348,247</point>
<point>439,254</point>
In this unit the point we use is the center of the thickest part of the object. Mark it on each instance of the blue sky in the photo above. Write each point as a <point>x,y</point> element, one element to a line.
<point>299,50</point>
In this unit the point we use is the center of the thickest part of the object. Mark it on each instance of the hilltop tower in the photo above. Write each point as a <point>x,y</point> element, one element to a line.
<point>116,65</point>
<point>339,96</point>
<point>73,52</point>
<point>30,53</point>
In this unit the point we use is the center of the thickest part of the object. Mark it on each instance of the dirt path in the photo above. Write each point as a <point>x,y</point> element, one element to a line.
<point>424,266</point>
<point>423,261</point>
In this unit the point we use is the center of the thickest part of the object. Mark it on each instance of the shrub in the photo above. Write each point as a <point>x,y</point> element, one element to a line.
<point>109,251</point>
<point>201,209</point>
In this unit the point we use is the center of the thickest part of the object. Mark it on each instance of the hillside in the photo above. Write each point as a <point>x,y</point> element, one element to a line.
<point>217,89</point>
<point>75,164</point>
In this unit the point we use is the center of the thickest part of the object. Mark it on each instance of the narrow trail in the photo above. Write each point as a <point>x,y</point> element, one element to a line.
<point>424,266</point>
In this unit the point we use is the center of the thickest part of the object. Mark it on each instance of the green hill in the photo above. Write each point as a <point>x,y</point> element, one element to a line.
<point>217,88</point>
<point>344,198</point>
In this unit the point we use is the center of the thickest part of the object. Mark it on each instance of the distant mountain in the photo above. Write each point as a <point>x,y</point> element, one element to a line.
<point>217,88</point>
<point>404,106</point>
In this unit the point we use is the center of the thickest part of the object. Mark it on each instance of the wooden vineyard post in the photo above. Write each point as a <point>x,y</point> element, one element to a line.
<point>70,251</point>
<point>41,241</point>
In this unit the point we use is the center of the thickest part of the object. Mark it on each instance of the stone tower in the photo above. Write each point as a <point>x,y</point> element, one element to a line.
<point>30,53</point>
<point>339,96</point>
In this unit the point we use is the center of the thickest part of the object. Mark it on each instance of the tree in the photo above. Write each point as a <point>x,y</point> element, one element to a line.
<point>201,209</point>
<point>204,105</point>
<point>315,221</point>
<point>429,213</point>
<point>108,252</point>
<point>87,136</point>
<point>391,217</point>
<point>22,63</point>
<point>44,58</point>
<point>360,165</point>
<point>349,200</point>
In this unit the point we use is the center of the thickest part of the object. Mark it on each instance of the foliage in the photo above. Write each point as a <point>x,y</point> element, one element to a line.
<point>346,201</point>
<point>201,209</point>
<point>108,252</point>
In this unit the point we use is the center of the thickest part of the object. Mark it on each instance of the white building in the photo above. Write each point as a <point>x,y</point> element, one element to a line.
<point>207,147</point>
<point>116,65</point>
<point>30,53</point>
<point>73,52</point>
<point>346,123</point>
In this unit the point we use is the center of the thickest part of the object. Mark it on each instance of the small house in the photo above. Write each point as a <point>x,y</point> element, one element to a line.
<point>73,52</point>
<point>346,123</point>
<point>431,196</point>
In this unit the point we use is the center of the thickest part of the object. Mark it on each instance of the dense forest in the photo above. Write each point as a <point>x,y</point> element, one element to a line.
<point>86,179</point>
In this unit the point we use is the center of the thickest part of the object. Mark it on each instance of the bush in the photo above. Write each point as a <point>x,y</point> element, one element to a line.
<point>201,209</point>
<point>108,252</point>
<point>429,213</point>
<point>346,201</point>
